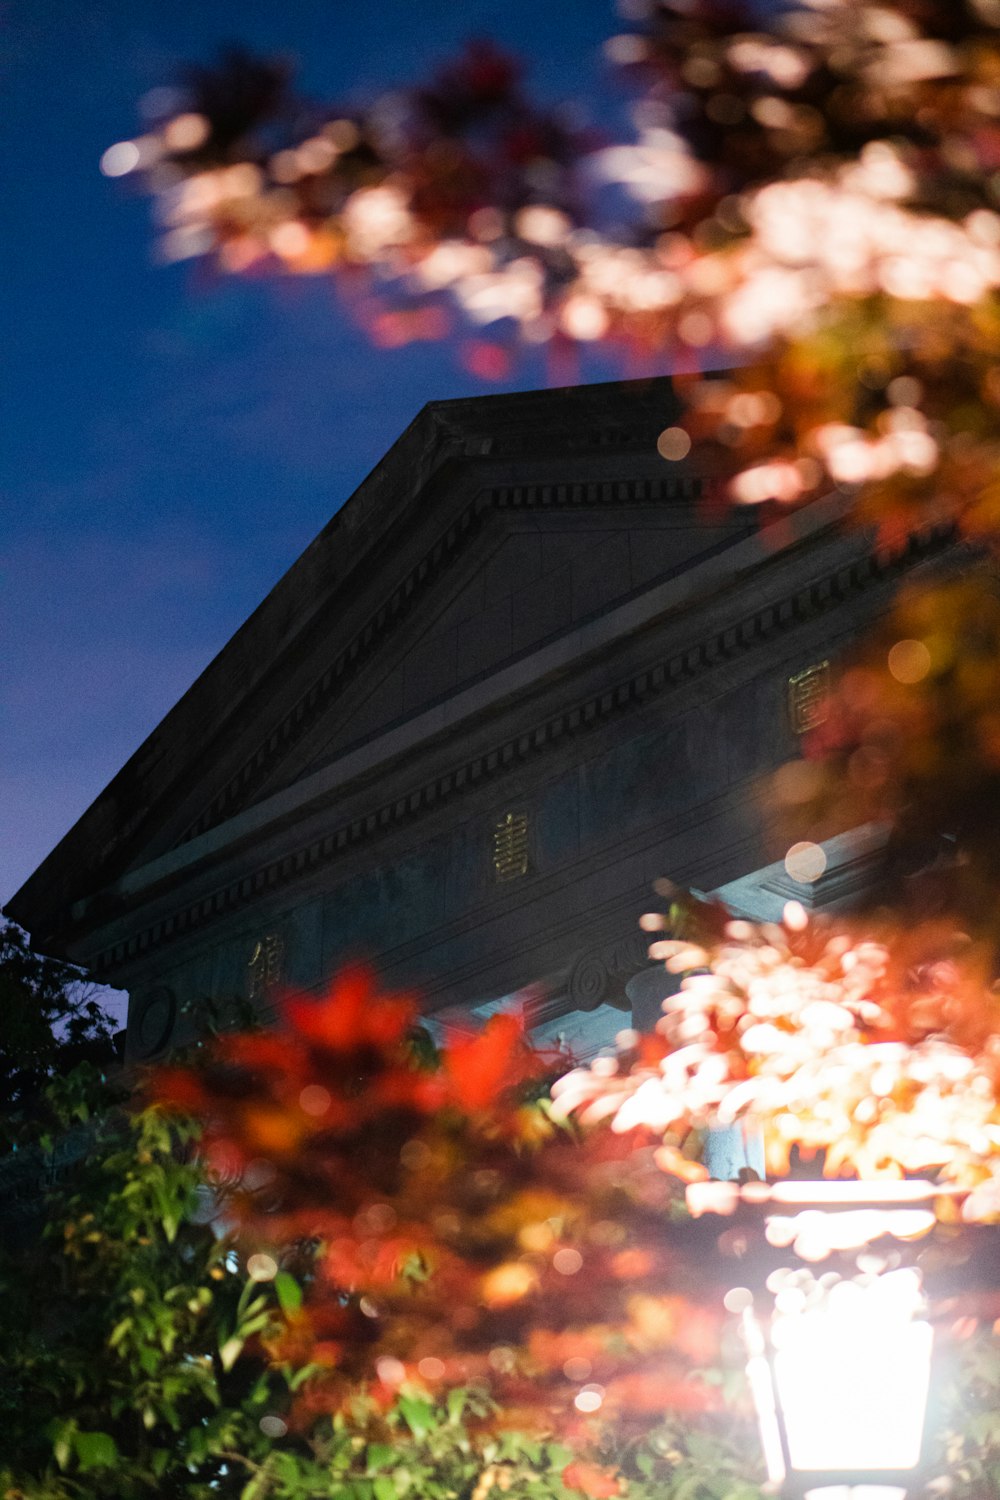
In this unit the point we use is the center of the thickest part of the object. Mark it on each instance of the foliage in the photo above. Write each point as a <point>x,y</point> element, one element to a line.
<point>169,1352</point>
<point>815,192</point>
<point>53,1023</point>
<point>469,1301</point>
<point>448,1231</point>
<point>879,1055</point>
<point>119,1326</point>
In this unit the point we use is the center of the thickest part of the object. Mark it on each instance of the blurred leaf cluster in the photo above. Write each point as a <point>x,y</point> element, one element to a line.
<point>53,1023</point>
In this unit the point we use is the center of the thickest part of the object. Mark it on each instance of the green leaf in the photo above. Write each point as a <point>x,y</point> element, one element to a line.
<point>417,1414</point>
<point>558,1456</point>
<point>457,1402</point>
<point>229,1352</point>
<point>289,1292</point>
<point>300,1376</point>
<point>384,1488</point>
<point>61,1434</point>
<point>95,1449</point>
<point>379,1456</point>
<point>118,1332</point>
<point>702,1448</point>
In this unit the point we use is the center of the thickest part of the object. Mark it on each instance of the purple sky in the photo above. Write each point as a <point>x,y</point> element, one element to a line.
<point>170,440</point>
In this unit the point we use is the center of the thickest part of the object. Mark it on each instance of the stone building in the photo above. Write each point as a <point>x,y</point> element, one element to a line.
<point>526,669</point>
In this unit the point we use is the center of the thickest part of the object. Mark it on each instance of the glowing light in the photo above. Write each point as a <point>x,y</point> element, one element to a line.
<point>542,225</point>
<point>625,49</point>
<point>577,1368</point>
<point>909,661</point>
<point>316,154</point>
<point>795,916</point>
<point>590,1399</point>
<point>262,1267</point>
<point>738,1299</point>
<point>805,862</point>
<point>673,444</point>
<point>852,1192</point>
<point>452,260</point>
<point>390,1371</point>
<point>567,1262</point>
<point>660,166</point>
<point>315,1099</point>
<point>508,1283</point>
<point>584,318</point>
<point>290,240</point>
<point>851,1374</point>
<point>285,167</point>
<point>186,132</point>
<point>272,1426</point>
<point>375,219</point>
<point>120,159</point>
<point>696,328</point>
<point>431,1368</point>
<point>711,1198</point>
<point>779,480</point>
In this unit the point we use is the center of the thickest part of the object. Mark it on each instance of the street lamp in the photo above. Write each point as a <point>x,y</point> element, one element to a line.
<point>838,1359</point>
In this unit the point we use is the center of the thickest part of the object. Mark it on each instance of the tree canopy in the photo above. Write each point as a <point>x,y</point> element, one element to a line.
<point>319,1261</point>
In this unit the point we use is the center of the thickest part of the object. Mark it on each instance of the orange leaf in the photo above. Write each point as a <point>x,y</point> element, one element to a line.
<point>480,1068</point>
<point>352,1015</point>
<point>592,1480</point>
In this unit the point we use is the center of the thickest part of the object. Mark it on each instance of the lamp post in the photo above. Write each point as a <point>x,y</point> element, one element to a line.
<point>837,1333</point>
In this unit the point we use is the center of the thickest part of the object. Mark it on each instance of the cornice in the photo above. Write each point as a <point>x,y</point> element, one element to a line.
<point>752,631</point>
<point>396,609</point>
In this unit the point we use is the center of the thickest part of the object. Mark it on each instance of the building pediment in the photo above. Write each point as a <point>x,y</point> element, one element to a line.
<point>492,525</point>
<point>524,620</point>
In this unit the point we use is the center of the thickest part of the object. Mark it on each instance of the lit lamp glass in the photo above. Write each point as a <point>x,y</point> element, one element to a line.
<point>839,1363</point>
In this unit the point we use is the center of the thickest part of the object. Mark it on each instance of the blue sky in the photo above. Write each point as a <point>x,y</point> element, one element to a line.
<point>170,441</point>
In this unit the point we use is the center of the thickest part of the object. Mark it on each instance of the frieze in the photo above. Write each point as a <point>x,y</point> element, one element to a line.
<point>756,629</point>
<point>336,677</point>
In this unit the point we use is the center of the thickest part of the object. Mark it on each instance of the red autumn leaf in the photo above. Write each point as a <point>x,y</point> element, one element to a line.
<point>179,1088</point>
<point>352,1015</point>
<point>480,1068</point>
<point>592,1480</point>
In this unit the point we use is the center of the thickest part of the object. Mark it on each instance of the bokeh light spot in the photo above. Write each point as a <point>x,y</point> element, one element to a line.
<point>120,159</point>
<point>673,443</point>
<point>390,1371</point>
<point>186,132</point>
<point>805,862</point>
<point>909,661</point>
<point>272,1426</point>
<point>314,1099</point>
<point>795,916</point>
<point>567,1262</point>
<point>738,1299</point>
<point>583,318</point>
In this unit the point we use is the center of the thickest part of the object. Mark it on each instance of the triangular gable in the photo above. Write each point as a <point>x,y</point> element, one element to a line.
<point>531,576</point>
<point>438,534</point>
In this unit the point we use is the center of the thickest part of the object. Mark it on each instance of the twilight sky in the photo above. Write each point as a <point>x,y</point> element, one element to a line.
<point>170,441</point>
